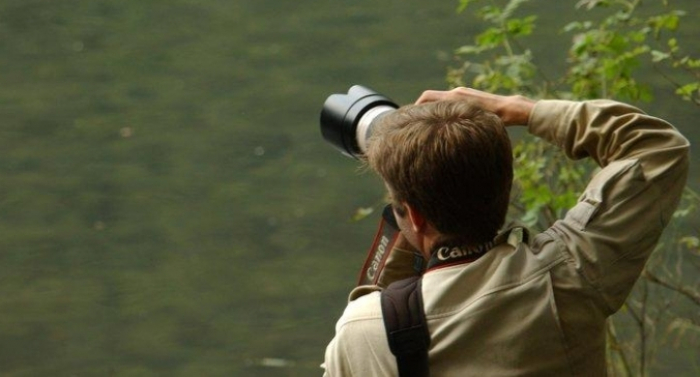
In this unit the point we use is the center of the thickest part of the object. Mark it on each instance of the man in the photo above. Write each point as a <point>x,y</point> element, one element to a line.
<point>511,303</point>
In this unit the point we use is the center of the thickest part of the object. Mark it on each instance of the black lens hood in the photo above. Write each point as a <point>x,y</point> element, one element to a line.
<point>342,112</point>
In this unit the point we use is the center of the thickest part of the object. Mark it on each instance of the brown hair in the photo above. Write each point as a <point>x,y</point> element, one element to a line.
<point>451,161</point>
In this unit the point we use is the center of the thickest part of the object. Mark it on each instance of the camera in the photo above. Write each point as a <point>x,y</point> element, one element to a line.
<point>347,120</point>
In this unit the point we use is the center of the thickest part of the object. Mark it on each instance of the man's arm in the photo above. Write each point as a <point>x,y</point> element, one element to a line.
<point>618,220</point>
<point>616,223</point>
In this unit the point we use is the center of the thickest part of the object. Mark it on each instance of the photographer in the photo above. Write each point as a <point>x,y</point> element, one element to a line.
<point>504,302</point>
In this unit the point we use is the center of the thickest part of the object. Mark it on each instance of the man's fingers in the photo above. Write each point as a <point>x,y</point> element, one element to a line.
<point>456,94</point>
<point>430,96</point>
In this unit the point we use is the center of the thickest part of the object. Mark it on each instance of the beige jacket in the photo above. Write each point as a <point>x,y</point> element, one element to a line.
<point>539,309</point>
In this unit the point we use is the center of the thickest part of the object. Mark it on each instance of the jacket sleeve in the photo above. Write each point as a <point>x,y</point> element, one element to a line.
<point>611,231</point>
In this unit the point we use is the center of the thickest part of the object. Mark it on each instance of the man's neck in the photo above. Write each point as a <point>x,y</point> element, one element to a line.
<point>429,240</point>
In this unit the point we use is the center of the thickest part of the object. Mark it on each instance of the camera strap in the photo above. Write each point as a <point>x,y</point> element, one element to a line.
<point>449,256</point>
<point>406,326</point>
<point>384,240</point>
<point>404,315</point>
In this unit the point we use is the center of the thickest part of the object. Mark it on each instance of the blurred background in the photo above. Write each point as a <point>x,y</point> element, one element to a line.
<point>167,204</point>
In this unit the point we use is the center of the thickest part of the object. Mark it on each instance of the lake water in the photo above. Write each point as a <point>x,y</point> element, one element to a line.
<point>168,206</point>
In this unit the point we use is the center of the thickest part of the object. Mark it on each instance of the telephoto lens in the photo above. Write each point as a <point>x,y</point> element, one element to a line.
<point>347,119</point>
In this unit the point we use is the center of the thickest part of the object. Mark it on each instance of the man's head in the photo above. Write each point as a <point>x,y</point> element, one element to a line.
<point>449,161</point>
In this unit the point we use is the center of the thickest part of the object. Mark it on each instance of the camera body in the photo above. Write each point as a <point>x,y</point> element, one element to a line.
<point>347,120</point>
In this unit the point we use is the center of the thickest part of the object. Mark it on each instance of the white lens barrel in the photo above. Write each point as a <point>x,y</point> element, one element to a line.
<point>364,126</point>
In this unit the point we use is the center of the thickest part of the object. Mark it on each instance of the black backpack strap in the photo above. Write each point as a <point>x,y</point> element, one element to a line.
<point>406,327</point>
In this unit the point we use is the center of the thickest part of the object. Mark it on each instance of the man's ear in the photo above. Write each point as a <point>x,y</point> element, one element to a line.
<point>416,218</point>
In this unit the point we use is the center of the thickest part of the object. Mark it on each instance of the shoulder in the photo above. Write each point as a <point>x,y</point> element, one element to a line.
<point>364,308</point>
<point>360,346</point>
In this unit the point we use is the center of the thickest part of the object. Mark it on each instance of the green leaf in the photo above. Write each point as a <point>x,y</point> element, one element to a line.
<point>659,56</point>
<point>590,4</point>
<point>690,63</point>
<point>463,4</point>
<point>362,212</point>
<point>673,44</point>
<point>687,91</point>
<point>522,26</point>
<point>667,21</point>
<point>490,38</point>
<point>576,26</point>
<point>491,14</point>
<point>469,49</point>
<point>690,242</point>
<point>511,7</point>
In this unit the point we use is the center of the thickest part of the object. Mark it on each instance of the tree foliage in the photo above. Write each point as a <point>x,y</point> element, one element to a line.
<point>608,50</point>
